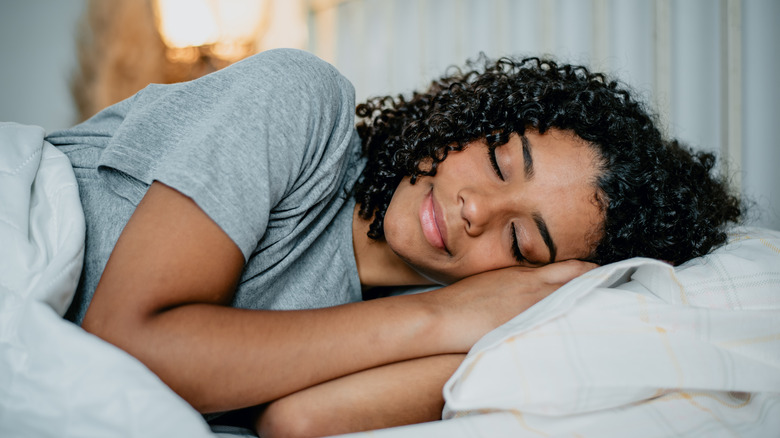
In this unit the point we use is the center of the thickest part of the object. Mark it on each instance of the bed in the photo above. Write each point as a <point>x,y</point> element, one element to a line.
<point>636,348</point>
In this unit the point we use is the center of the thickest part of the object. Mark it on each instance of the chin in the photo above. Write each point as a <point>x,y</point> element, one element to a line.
<point>405,245</point>
<point>431,274</point>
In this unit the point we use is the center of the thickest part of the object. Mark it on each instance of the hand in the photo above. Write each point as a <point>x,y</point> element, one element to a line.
<point>476,305</point>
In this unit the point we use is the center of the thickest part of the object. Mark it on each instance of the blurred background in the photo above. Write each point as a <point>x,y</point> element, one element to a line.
<point>707,67</point>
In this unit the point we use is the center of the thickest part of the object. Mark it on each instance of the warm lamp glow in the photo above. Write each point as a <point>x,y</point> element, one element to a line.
<point>228,27</point>
<point>185,23</point>
<point>238,20</point>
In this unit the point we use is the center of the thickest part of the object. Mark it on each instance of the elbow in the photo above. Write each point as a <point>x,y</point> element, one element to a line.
<point>283,419</point>
<point>118,325</point>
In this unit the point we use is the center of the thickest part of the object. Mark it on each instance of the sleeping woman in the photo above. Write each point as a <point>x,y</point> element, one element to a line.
<point>234,223</point>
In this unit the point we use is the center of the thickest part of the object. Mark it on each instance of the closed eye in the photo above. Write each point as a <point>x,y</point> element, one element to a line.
<point>518,255</point>
<point>494,161</point>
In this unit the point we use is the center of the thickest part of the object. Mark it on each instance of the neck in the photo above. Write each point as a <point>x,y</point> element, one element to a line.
<point>377,264</point>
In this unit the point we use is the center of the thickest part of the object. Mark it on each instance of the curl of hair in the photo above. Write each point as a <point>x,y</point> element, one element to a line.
<point>660,199</point>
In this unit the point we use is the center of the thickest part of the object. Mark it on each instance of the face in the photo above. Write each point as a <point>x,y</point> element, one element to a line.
<point>532,203</point>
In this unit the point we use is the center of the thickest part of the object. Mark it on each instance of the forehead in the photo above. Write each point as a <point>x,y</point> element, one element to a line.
<point>566,171</point>
<point>563,150</point>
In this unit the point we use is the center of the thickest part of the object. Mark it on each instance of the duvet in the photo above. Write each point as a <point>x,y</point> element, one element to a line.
<point>56,380</point>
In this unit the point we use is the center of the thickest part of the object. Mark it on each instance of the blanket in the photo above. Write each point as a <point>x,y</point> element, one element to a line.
<point>56,380</point>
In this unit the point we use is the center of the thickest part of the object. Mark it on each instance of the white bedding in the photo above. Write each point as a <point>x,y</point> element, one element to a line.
<point>55,379</point>
<point>634,348</point>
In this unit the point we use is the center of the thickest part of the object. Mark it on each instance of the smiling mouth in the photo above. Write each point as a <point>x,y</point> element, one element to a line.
<point>432,224</point>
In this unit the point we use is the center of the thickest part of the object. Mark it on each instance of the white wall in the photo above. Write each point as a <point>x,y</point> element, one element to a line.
<point>761,107</point>
<point>37,58</point>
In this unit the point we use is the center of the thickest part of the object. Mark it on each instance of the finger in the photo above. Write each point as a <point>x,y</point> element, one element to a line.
<point>565,271</point>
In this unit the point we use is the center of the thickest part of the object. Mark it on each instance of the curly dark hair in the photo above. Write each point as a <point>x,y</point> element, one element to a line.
<point>660,199</point>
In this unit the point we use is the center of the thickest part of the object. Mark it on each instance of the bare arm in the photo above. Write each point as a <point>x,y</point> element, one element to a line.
<point>163,296</point>
<point>392,395</point>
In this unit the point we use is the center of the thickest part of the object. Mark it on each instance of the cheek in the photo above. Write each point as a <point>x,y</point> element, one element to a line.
<point>483,256</point>
<point>398,225</point>
<point>490,257</point>
<point>396,234</point>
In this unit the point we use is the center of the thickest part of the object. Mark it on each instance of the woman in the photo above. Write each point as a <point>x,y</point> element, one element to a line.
<point>215,206</point>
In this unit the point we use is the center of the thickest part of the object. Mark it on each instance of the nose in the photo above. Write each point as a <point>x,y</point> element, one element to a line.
<point>479,209</point>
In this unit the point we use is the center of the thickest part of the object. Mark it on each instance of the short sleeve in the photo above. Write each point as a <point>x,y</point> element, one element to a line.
<point>238,141</point>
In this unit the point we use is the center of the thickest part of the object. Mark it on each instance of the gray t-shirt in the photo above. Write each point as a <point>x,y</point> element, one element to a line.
<point>266,147</point>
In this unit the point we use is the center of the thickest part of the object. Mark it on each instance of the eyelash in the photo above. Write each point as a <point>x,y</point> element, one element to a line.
<point>516,247</point>
<point>516,253</point>
<point>494,162</point>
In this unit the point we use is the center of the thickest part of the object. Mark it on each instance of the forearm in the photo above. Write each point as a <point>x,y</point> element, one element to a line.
<point>392,395</point>
<point>220,358</point>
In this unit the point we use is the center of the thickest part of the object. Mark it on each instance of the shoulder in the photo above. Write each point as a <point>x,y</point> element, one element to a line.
<point>280,68</point>
<point>287,58</point>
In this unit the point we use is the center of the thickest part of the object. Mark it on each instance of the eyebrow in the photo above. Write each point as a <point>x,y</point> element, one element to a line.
<point>528,159</point>
<point>528,169</point>
<point>542,226</point>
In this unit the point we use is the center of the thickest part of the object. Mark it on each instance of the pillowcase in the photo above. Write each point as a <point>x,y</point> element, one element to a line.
<point>641,345</point>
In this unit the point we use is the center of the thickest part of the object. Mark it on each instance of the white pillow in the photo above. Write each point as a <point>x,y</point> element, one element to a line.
<point>641,346</point>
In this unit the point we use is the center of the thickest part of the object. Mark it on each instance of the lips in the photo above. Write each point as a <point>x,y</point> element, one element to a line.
<point>432,222</point>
